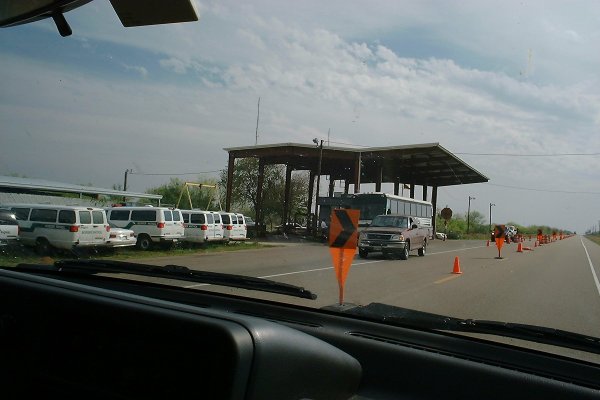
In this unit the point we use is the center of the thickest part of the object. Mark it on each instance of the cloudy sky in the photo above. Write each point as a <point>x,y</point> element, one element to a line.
<point>518,78</point>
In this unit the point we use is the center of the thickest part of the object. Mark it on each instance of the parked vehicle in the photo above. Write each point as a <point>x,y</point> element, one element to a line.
<point>62,227</point>
<point>121,237</point>
<point>240,230</point>
<point>201,227</point>
<point>290,227</point>
<point>9,228</point>
<point>151,224</point>
<point>394,234</point>
<point>441,236</point>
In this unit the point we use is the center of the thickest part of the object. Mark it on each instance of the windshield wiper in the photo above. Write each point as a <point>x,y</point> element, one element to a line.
<point>176,272</point>
<point>406,317</point>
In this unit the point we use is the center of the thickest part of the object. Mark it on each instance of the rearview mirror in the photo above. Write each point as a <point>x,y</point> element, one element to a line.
<point>130,12</point>
<point>414,226</point>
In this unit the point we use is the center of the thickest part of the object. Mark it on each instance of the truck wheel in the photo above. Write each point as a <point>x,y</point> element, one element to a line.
<point>42,247</point>
<point>144,242</point>
<point>423,249</point>
<point>363,253</point>
<point>404,252</point>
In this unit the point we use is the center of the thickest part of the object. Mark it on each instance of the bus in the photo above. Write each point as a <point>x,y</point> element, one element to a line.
<point>373,204</point>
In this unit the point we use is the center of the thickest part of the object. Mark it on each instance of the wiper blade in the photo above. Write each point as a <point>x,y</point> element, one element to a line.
<point>176,272</point>
<point>406,317</point>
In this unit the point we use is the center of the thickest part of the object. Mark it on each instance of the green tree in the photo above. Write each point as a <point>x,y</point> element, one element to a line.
<point>245,183</point>
<point>203,198</point>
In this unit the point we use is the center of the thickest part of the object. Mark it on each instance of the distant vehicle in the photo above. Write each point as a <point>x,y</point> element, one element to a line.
<point>151,224</point>
<point>234,226</point>
<point>9,228</point>
<point>121,237</point>
<point>372,204</point>
<point>393,234</point>
<point>441,235</point>
<point>290,227</point>
<point>250,222</point>
<point>62,227</point>
<point>240,230</point>
<point>201,227</point>
<point>511,231</point>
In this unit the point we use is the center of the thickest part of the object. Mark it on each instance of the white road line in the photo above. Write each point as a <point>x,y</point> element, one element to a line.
<point>326,268</point>
<point>591,266</point>
<point>451,251</point>
<point>291,273</point>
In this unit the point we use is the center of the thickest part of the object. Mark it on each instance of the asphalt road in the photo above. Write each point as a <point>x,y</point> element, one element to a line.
<point>551,286</point>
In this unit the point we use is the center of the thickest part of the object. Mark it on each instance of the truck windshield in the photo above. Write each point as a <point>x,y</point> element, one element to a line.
<point>390,221</point>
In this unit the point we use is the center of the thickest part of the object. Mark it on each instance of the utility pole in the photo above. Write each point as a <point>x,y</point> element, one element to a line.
<point>257,117</point>
<point>127,171</point>
<point>491,205</point>
<point>469,213</point>
<point>316,141</point>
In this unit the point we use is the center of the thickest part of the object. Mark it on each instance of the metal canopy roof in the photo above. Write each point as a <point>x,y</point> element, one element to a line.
<point>10,184</point>
<point>422,164</point>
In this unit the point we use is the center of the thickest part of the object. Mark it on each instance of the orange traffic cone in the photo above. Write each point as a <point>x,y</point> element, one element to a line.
<point>520,248</point>
<point>456,266</point>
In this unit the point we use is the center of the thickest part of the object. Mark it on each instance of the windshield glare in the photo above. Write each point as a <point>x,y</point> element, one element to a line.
<point>479,123</point>
<point>390,221</point>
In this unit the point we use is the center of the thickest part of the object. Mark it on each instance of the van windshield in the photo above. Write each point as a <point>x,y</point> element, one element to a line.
<point>389,221</point>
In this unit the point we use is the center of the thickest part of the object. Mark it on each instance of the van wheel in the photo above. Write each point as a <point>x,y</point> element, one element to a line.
<point>404,252</point>
<point>42,247</point>
<point>144,242</point>
<point>363,253</point>
<point>423,249</point>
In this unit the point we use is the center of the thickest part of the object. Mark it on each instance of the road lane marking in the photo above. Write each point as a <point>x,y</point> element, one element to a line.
<point>326,268</point>
<point>291,273</point>
<point>446,279</point>
<point>463,249</point>
<point>591,266</point>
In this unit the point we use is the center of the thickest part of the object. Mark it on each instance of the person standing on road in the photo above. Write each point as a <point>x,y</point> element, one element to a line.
<point>324,229</point>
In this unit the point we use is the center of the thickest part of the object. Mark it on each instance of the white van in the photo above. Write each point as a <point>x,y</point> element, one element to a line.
<point>234,226</point>
<point>227,225</point>
<point>150,224</point>
<point>240,229</point>
<point>201,227</point>
<point>62,227</point>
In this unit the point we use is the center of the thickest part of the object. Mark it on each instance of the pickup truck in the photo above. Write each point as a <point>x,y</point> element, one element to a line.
<point>393,235</point>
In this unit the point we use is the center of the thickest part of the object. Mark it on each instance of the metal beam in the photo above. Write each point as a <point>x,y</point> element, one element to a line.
<point>434,203</point>
<point>259,190</point>
<point>311,185</point>
<point>288,189</point>
<point>378,177</point>
<point>230,168</point>
<point>357,171</point>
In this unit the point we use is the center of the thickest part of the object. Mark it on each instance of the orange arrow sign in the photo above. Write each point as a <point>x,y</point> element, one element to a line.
<point>343,239</point>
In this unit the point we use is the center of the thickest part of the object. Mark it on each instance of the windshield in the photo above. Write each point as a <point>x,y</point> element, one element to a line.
<point>462,119</point>
<point>389,221</point>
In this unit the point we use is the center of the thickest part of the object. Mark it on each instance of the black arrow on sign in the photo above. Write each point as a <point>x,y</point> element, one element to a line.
<point>348,228</point>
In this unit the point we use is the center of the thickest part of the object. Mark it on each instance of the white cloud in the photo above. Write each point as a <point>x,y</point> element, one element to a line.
<point>176,65</point>
<point>139,69</point>
<point>312,76</point>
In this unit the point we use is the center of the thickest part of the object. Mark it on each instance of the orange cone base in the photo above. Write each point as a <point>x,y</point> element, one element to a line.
<point>456,269</point>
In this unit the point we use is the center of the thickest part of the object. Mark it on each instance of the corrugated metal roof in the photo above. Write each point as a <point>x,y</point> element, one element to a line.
<point>42,185</point>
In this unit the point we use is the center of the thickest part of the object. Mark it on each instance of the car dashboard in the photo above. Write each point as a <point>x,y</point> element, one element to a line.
<point>101,337</point>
